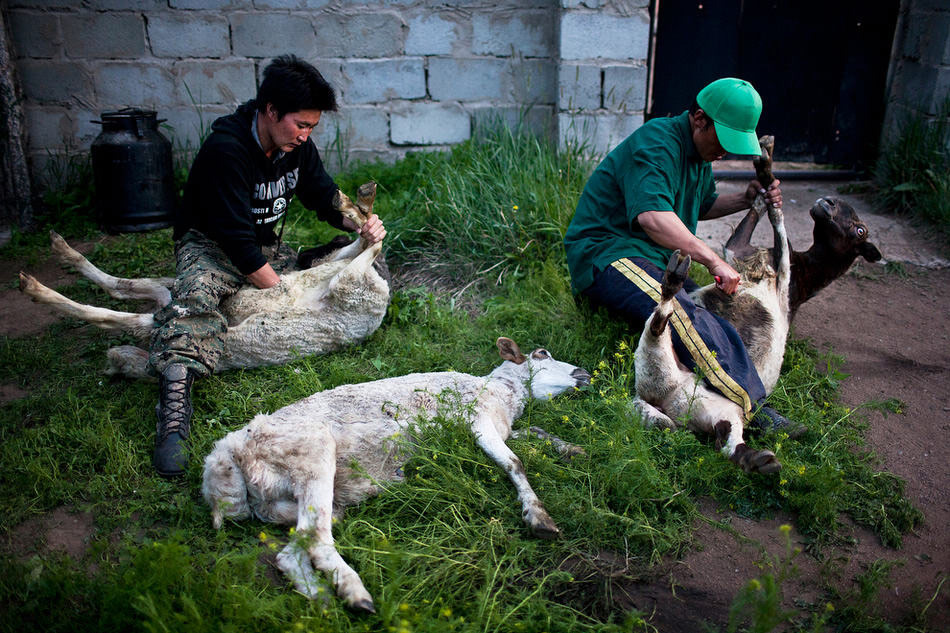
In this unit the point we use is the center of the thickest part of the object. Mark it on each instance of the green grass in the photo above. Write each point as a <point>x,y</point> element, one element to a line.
<point>446,550</point>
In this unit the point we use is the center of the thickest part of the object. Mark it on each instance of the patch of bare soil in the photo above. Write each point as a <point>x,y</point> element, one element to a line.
<point>62,530</point>
<point>19,315</point>
<point>895,337</point>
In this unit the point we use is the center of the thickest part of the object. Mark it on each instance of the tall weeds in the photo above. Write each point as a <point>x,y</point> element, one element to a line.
<point>913,171</point>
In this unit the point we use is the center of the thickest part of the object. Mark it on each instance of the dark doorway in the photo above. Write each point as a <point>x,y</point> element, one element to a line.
<point>820,66</point>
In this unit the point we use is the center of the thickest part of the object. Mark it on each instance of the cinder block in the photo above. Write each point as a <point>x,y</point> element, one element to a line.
<point>217,82</point>
<point>135,85</point>
<point>272,34</point>
<point>54,82</point>
<point>534,81</point>
<point>42,4</point>
<point>452,79</point>
<point>290,4</point>
<point>525,33</point>
<point>624,6</point>
<point>211,4</point>
<point>430,124</point>
<point>372,81</point>
<point>579,87</point>
<point>625,88</point>
<point>186,126</point>
<point>604,36</point>
<point>362,35</point>
<point>87,126</point>
<point>590,4</point>
<point>353,128</point>
<point>430,34</point>
<point>103,35</point>
<point>35,34</point>
<point>538,120</point>
<point>935,48</point>
<point>331,69</point>
<point>49,128</point>
<point>189,35</point>
<point>335,163</point>
<point>126,5</point>
<point>600,133</point>
<point>941,91</point>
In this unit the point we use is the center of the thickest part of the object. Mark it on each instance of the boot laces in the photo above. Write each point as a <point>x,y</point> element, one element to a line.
<point>175,405</point>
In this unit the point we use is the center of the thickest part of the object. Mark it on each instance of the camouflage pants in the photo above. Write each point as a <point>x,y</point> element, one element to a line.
<point>191,328</point>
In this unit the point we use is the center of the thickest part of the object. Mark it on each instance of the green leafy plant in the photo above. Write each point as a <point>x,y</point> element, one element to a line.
<point>912,173</point>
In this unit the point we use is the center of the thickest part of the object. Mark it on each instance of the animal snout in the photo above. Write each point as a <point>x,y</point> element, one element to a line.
<point>581,376</point>
<point>824,206</point>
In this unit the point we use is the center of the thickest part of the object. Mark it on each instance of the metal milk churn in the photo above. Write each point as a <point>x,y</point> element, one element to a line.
<point>132,167</point>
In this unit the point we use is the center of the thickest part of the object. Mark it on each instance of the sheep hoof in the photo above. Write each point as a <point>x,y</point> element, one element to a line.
<point>542,525</point>
<point>677,270</point>
<point>546,532</point>
<point>572,451</point>
<point>763,462</point>
<point>363,604</point>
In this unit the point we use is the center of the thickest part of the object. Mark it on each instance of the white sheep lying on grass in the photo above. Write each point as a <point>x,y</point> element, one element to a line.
<point>305,462</point>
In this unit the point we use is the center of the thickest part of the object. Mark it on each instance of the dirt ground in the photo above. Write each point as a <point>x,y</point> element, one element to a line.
<point>894,333</point>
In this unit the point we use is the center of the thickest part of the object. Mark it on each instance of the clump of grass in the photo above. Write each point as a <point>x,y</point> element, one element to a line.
<point>912,172</point>
<point>507,195</point>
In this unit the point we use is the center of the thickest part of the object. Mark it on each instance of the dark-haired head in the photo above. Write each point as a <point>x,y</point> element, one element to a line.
<point>291,85</point>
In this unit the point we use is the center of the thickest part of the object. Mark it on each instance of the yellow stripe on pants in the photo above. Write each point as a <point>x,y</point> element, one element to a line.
<point>701,354</point>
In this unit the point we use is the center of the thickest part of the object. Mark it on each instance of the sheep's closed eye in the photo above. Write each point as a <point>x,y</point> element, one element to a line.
<point>540,354</point>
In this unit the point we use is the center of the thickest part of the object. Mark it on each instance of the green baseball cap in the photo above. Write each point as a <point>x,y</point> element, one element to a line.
<point>734,106</point>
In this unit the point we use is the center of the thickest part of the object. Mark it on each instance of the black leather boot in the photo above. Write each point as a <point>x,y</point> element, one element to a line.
<point>174,421</point>
<point>768,419</point>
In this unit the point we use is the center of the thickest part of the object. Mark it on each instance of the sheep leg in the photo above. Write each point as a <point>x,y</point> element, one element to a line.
<point>128,361</point>
<point>315,526</point>
<point>137,324</point>
<point>357,268</point>
<point>781,254</point>
<point>145,288</point>
<point>729,441</point>
<point>539,521</point>
<point>564,449</point>
<point>739,244</point>
<point>659,374</point>
<point>294,561</point>
<point>650,415</point>
<point>349,251</point>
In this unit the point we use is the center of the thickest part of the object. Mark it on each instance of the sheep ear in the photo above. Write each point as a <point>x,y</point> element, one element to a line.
<point>869,252</point>
<point>508,350</point>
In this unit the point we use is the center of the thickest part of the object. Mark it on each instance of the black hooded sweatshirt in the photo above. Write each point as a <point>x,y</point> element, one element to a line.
<point>236,195</point>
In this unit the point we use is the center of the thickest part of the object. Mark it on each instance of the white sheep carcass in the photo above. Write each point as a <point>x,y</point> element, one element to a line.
<point>303,463</point>
<point>339,301</point>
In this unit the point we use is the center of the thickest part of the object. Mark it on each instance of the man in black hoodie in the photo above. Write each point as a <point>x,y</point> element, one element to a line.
<point>238,190</point>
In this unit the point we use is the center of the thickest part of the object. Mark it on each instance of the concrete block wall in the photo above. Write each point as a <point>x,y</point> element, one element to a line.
<point>410,74</point>
<point>602,75</point>
<point>919,75</point>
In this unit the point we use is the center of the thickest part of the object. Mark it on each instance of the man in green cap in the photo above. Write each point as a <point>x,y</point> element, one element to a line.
<point>644,201</point>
